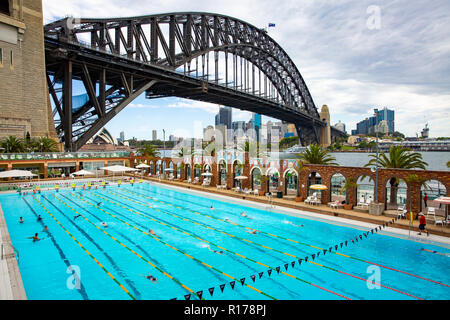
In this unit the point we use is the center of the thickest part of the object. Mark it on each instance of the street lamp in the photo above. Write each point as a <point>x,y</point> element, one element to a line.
<point>164,142</point>
<point>376,163</point>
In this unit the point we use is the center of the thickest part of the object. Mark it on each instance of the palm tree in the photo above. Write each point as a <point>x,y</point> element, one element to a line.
<point>448,164</point>
<point>315,154</point>
<point>149,150</point>
<point>12,145</point>
<point>45,144</point>
<point>398,158</point>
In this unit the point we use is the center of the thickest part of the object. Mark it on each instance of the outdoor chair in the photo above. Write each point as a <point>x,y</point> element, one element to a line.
<point>256,192</point>
<point>362,203</point>
<point>400,208</point>
<point>334,205</point>
<point>308,200</point>
<point>402,214</point>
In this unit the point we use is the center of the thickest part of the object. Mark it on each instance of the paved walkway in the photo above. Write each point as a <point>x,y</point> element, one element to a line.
<point>11,286</point>
<point>321,209</point>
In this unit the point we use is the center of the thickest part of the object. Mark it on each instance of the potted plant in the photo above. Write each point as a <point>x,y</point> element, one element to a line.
<point>349,184</point>
<point>264,180</point>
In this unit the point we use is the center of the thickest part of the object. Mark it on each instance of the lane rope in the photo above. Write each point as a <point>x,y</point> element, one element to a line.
<point>269,248</point>
<point>126,247</point>
<point>235,253</point>
<point>295,241</point>
<point>86,251</point>
<point>168,245</point>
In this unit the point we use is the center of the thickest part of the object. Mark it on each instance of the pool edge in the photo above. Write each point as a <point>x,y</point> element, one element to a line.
<point>15,278</point>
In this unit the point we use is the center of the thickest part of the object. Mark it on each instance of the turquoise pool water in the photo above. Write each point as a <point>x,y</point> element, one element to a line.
<point>78,258</point>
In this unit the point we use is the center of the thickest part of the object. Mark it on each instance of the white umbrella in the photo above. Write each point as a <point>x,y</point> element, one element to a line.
<point>446,201</point>
<point>16,174</point>
<point>169,169</point>
<point>83,173</point>
<point>142,166</point>
<point>118,169</point>
<point>121,169</point>
<point>241,178</point>
<point>207,174</point>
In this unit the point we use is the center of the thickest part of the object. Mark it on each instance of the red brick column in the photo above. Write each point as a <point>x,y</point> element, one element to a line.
<point>246,171</point>
<point>229,176</point>
<point>215,176</point>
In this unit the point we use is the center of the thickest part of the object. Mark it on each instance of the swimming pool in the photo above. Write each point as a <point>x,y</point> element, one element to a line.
<point>199,252</point>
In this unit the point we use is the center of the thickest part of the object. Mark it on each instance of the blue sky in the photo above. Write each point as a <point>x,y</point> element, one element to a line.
<point>353,55</point>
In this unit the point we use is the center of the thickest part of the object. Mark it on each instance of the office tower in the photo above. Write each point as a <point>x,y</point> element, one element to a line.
<point>155,135</point>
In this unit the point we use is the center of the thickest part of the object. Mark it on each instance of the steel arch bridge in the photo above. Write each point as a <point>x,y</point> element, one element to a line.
<point>200,56</point>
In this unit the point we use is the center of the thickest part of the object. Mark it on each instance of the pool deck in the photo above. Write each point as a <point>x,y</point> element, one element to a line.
<point>443,231</point>
<point>11,285</point>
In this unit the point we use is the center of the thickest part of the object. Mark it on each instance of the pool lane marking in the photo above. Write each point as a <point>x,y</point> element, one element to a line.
<point>63,256</point>
<point>85,250</point>
<point>168,245</point>
<point>317,264</point>
<point>252,260</point>
<point>123,245</point>
<point>298,242</point>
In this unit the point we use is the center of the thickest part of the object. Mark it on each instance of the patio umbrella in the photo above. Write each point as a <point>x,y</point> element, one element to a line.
<point>117,168</point>
<point>241,178</point>
<point>318,187</point>
<point>16,174</point>
<point>142,166</point>
<point>207,174</point>
<point>446,201</point>
<point>169,169</point>
<point>83,173</point>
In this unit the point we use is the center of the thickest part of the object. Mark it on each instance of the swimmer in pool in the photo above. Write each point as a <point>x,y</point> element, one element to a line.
<point>152,233</point>
<point>35,238</point>
<point>76,217</point>
<point>212,208</point>
<point>21,220</point>
<point>104,224</point>
<point>99,204</point>
<point>150,277</point>
<point>253,232</point>
<point>215,251</point>
<point>295,225</point>
<point>39,218</point>
<point>45,229</point>
<point>244,215</point>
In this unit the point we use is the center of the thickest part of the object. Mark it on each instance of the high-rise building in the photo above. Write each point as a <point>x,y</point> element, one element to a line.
<point>224,117</point>
<point>122,136</point>
<point>340,126</point>
<point>368,125</point>
<point>426,132</point>
<point>154,135</point>
<point>256,125</point>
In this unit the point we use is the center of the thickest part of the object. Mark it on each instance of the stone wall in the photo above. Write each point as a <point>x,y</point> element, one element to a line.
<point>23,86</point>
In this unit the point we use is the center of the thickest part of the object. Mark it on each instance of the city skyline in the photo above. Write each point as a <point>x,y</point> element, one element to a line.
<point>371,64</point>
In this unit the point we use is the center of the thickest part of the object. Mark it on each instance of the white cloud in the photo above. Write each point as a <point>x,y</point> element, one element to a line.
<point>207,107</point>
<point>141,106</point>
